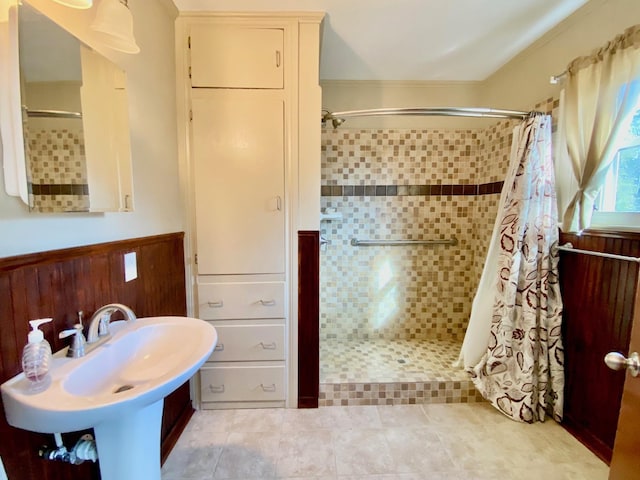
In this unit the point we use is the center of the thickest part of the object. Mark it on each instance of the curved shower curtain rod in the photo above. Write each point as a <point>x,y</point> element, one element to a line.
<point>338,118</point>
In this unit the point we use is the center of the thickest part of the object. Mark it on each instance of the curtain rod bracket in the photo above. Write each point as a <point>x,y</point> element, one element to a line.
<point>556,79</point>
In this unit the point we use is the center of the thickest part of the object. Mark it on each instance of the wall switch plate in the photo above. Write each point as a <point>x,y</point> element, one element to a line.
<point>130,266</point>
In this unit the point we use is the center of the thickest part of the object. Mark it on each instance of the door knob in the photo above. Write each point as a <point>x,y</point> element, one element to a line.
<point>617,361</point>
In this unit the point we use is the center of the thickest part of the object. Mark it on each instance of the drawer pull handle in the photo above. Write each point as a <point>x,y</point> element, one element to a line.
<point>215,304</point>
<point>278,58</point>
<point>268,388</point>
<point>268,346</point>
<point>267,303</point>
<point>219,347</point>
<point>216,388</point>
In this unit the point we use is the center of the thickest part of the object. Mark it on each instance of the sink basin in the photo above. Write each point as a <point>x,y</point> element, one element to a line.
<point>116,388</point>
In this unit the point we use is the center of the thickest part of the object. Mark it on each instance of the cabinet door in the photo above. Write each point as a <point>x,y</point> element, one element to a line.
<point>238,152</point>
<point>228,56</point>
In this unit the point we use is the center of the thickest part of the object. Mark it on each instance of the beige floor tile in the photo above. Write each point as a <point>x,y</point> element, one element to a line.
<point>212,421</point>
<point>310,478</point>
<point>475,448</point>
<point>409,442</point>
<point>257,420</point>
<point>402,416</point>
<point>555,472</point>
<point>307,419</point>
<point>479,473</point>
<point>248,455</point>
<point>579,471</point>
<point>352,417</point>
<point>409,447</point>
<point>459,415</point>
<point>194,457</point>
<point>306,454</point>
<point>362,451</point>
<point>395,476</point>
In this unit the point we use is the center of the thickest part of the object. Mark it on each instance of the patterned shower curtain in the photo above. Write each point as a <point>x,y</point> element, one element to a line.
<point>521,373</point>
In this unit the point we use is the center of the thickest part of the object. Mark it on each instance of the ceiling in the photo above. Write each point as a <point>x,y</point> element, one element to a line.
<point>427,40</point>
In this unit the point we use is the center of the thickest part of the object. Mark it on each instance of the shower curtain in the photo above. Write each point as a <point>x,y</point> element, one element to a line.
<point>513,347</point>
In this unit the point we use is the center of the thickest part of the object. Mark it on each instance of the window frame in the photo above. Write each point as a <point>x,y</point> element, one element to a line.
<point>613,220</point>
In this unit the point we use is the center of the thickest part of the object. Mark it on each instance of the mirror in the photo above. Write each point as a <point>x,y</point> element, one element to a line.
<point>74,120</point>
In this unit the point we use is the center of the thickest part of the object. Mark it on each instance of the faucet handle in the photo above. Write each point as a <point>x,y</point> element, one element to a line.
<point>76,330</point>
<point>103,326</point>
<point>76,349</point>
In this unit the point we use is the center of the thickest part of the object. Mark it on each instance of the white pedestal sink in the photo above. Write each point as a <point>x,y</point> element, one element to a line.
<point>118,389</point>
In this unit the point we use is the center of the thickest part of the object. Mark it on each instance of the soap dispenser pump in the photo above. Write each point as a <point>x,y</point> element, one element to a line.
<point>36,357</point>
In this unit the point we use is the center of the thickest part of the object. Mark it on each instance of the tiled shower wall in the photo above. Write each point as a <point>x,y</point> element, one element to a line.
<point>433,184</point>
<point>57,171</point>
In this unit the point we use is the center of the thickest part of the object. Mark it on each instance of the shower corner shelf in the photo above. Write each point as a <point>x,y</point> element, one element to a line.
<point>330,215</point>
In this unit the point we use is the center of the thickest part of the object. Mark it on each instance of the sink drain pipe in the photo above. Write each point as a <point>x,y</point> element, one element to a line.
<point>84,449</point>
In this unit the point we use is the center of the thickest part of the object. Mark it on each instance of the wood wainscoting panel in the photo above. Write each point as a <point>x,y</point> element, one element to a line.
<point>60,283</point>
<point>598,296</point>
<point>308,318</point>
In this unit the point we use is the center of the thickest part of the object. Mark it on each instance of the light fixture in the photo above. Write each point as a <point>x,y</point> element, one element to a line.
<point>83,4</point>
<point>113,26</point>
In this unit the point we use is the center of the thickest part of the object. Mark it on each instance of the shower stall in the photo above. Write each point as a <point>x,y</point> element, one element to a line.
<point>407,217</point>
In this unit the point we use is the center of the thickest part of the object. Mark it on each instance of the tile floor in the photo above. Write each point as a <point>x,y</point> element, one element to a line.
<point>399,442</point>
<point>392,372</point>
<point>381,361</point>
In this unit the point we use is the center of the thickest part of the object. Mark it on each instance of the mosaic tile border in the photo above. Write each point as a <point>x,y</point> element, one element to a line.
<point>397,393</point>
<point>59,189</point>
<point>409,190</point>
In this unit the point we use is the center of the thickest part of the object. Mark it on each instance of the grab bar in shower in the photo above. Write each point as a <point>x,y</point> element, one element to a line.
<point>397,243</point>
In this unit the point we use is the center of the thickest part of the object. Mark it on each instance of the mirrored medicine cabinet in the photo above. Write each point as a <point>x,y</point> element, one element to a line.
<point>75,124</point>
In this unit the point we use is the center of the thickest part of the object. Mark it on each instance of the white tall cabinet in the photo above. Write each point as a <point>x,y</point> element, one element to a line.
<point>248,96</point>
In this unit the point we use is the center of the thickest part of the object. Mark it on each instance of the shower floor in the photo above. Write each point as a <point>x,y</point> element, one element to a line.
<point>347,361</point>
<point>386,372</point>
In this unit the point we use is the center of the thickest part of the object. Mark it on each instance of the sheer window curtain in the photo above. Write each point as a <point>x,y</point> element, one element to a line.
<point>597,104</point>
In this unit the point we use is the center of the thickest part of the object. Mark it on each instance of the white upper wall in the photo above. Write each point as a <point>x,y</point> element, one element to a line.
<point>383,40</point>
<point>151,88</point>
<point>524,81</point>
<point>518,85</point>
<point>343,95</point>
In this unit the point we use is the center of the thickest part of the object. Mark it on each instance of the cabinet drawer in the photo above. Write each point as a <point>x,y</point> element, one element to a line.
<point>249,342</point>
<point>219,301</point>
<point>241,384</point>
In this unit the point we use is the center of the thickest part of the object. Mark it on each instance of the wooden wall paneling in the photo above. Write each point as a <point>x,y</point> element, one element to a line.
<point>58,284</point>
<point>308,318</point>
<point>598,298</point>
<point>6,340</point>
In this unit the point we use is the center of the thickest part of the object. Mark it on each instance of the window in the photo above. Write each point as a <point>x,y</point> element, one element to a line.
<point>618,205</point>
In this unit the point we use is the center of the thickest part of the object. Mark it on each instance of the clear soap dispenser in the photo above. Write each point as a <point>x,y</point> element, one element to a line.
<point>36,358</point>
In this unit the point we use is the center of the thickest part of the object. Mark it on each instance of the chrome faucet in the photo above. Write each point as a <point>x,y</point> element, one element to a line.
<point>99,323</point>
